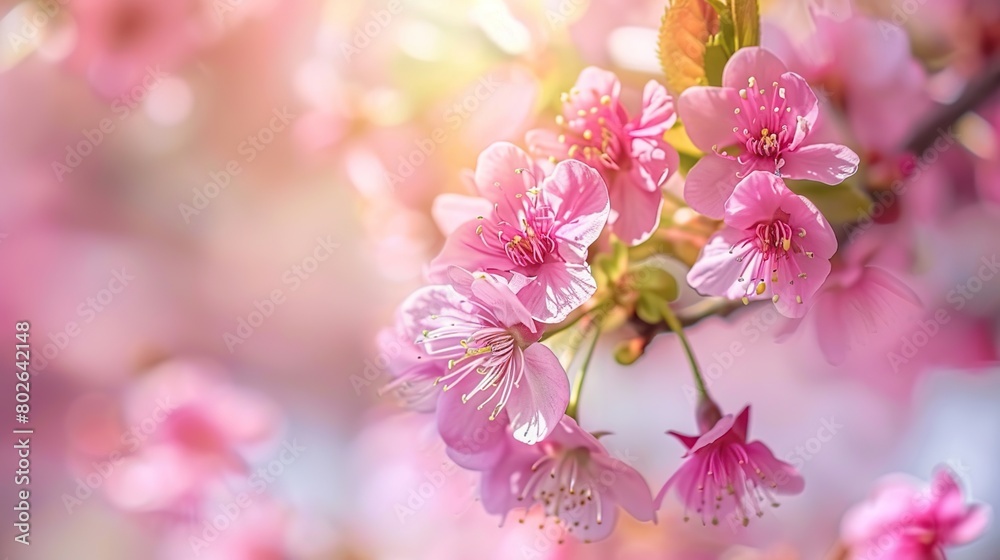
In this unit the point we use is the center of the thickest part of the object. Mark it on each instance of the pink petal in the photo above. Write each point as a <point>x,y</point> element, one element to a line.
<point>756,198</point>
<point>803,214</point>
<point>628,488</point>
<point>557,290</point>
<point>415,312</point>
<point>579,199</point>
<point>688,441</point>
<point>835,337</point>
<point>636,211</point>
<point>742,425</point>
<point>720,430</point>
<point>799,97</point>
<point>497,178</point>
<point>452,210</point>
<point>594,82</point>
<point>816,270</point>
<point>716,271</point>
<point>544,143</point>
<point>710,183</point>
<point>971,526</point>
<point>658,114</point>
<point>826,163</point>
<point>787,479</point>
<point>653,162</point>
<point>757,62</point>
<point>502,484</point>
<point>465,248</point>
<point>589,530</point>
<point>474,441</point>
<point>707,114</point>
<point>500,300</point>
<point>536,407</point>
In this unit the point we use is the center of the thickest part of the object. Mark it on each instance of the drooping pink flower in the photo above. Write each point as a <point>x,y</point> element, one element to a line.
<point>759,120</point>
<point>902,521</point>
<point>528,224</point>
<point>493,372</point>
<point>630,153</point>
<point>572,478</point>
<point>724,475</point>
<point>775,244</point>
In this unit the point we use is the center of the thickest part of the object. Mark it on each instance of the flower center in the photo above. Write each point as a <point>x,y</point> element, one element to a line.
<point>561,480</point>
<point>590,134</point>
<point>525,233</point>
<point>765,124</point>
<point>766,252</point>
<point>527,247</point>
<point>491,352</point>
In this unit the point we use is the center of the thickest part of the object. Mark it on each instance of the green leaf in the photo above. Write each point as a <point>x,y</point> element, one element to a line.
<point>839,204</point>
<point>746,23</point>
<point>685,29</point>
<point>715,62</point>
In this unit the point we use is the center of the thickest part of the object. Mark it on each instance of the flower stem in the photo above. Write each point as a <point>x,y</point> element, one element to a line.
<point>675,325</point>
<point>574,396</point>
<point>565,325</point>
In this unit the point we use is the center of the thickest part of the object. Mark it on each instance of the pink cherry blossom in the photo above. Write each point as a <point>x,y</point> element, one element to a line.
<point>539,227</point>
<point>724,475</point>
<point>861,299</point>
<point>759,120</point>
<point>189,428</point>
<point>630,153</point>
<point>775,244</point>
<point>493,372</point>
<point>572,478</point>
<point>867,70</point>
<point>902,521</point>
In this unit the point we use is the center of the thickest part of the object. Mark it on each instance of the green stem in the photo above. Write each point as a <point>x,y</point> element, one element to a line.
<point>565,325</point>
<point>675,325</point>
<point>574,396</point>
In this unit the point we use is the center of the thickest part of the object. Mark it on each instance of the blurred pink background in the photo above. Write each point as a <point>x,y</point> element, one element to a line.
<point>220,202</point>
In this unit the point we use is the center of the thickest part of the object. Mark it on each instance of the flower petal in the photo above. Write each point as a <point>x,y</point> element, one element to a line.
<point>710,183</point>
<point>579,198</point>
<point>785,478</point>
<point>636,211</point>
<point>657,114</point>
<point>544,143</point>
<point>465,248</point>
<point>628,488</point>
<point>716,271</point>
<point>756,198</point>
<point>800,98</point>
<point>474,441</point>
<point>536,407</point>
<point>755,62</point>
<point>498,180</point>
<point>452,210</point>
<point>557,290</point>
<point>826,163</point>
<point>707,114</point>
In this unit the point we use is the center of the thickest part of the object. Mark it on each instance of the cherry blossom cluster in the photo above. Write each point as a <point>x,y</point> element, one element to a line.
<point>519,269</point>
